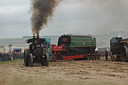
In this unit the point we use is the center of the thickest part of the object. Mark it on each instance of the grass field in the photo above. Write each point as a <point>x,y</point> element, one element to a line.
<point>14,61</point>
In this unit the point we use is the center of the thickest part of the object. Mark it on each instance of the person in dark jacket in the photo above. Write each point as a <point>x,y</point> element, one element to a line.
<point>0,57</point>
<point>106,55</point>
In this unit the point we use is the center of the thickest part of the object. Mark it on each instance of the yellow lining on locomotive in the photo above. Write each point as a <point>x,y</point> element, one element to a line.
<point>84,46</point>
<point>84,41</point>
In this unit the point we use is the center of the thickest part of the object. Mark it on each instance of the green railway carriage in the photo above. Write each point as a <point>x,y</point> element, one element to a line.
<point>78,44</point>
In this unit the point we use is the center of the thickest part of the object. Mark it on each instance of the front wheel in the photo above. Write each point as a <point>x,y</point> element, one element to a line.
<point>45,61</point>
<point>26,57</point>
<point>124,53</point>
<point>30,60</point>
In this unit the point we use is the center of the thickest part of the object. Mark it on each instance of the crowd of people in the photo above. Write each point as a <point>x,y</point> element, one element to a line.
<point>10,56</point>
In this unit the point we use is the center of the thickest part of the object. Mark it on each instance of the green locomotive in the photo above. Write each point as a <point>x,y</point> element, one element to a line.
<point>77,44</point>
<point>119,47</point>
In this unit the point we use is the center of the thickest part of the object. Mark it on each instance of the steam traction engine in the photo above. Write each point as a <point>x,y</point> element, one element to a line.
<point>75,47</point>
<point>119,48</point>
<point>37,52</point>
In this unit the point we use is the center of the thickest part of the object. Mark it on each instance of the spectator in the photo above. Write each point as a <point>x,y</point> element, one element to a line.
<point>106,55</point>
<point>0,57</point>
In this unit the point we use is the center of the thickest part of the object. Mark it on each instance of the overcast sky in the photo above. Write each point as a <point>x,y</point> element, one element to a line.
<point>70,17</point>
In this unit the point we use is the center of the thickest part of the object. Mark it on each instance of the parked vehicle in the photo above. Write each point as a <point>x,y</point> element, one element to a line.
<point>75,47</point>
<point>119,48</point>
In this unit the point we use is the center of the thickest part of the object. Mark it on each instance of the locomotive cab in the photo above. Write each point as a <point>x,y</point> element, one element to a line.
<point>77,44</point>
<point>36,46</point>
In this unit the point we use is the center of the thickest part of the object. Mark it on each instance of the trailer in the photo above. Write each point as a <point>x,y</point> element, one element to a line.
<point>57,54</point>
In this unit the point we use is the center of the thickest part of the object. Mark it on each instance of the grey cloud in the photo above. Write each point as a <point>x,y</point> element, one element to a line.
<point>70,16</point>
<point>94,16</point>
<point>4,3</point>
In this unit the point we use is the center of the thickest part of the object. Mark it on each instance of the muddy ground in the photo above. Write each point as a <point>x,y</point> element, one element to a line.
<point>84,72</point>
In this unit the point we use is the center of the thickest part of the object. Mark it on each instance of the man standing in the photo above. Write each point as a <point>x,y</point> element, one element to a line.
<point>0,57</point>
<point>106,55</point>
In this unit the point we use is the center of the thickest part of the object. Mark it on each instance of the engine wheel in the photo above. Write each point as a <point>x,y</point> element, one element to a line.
<point>26,57</point>
<point>124,53</point>
<point>30,61</point>
<point>45,61</point>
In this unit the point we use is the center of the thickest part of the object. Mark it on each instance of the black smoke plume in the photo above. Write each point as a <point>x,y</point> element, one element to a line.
<point>42,10</point>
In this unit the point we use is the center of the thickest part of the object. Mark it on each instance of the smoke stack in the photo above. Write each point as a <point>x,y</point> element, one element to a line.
<point>33,35</point>
<point>37,34</point>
